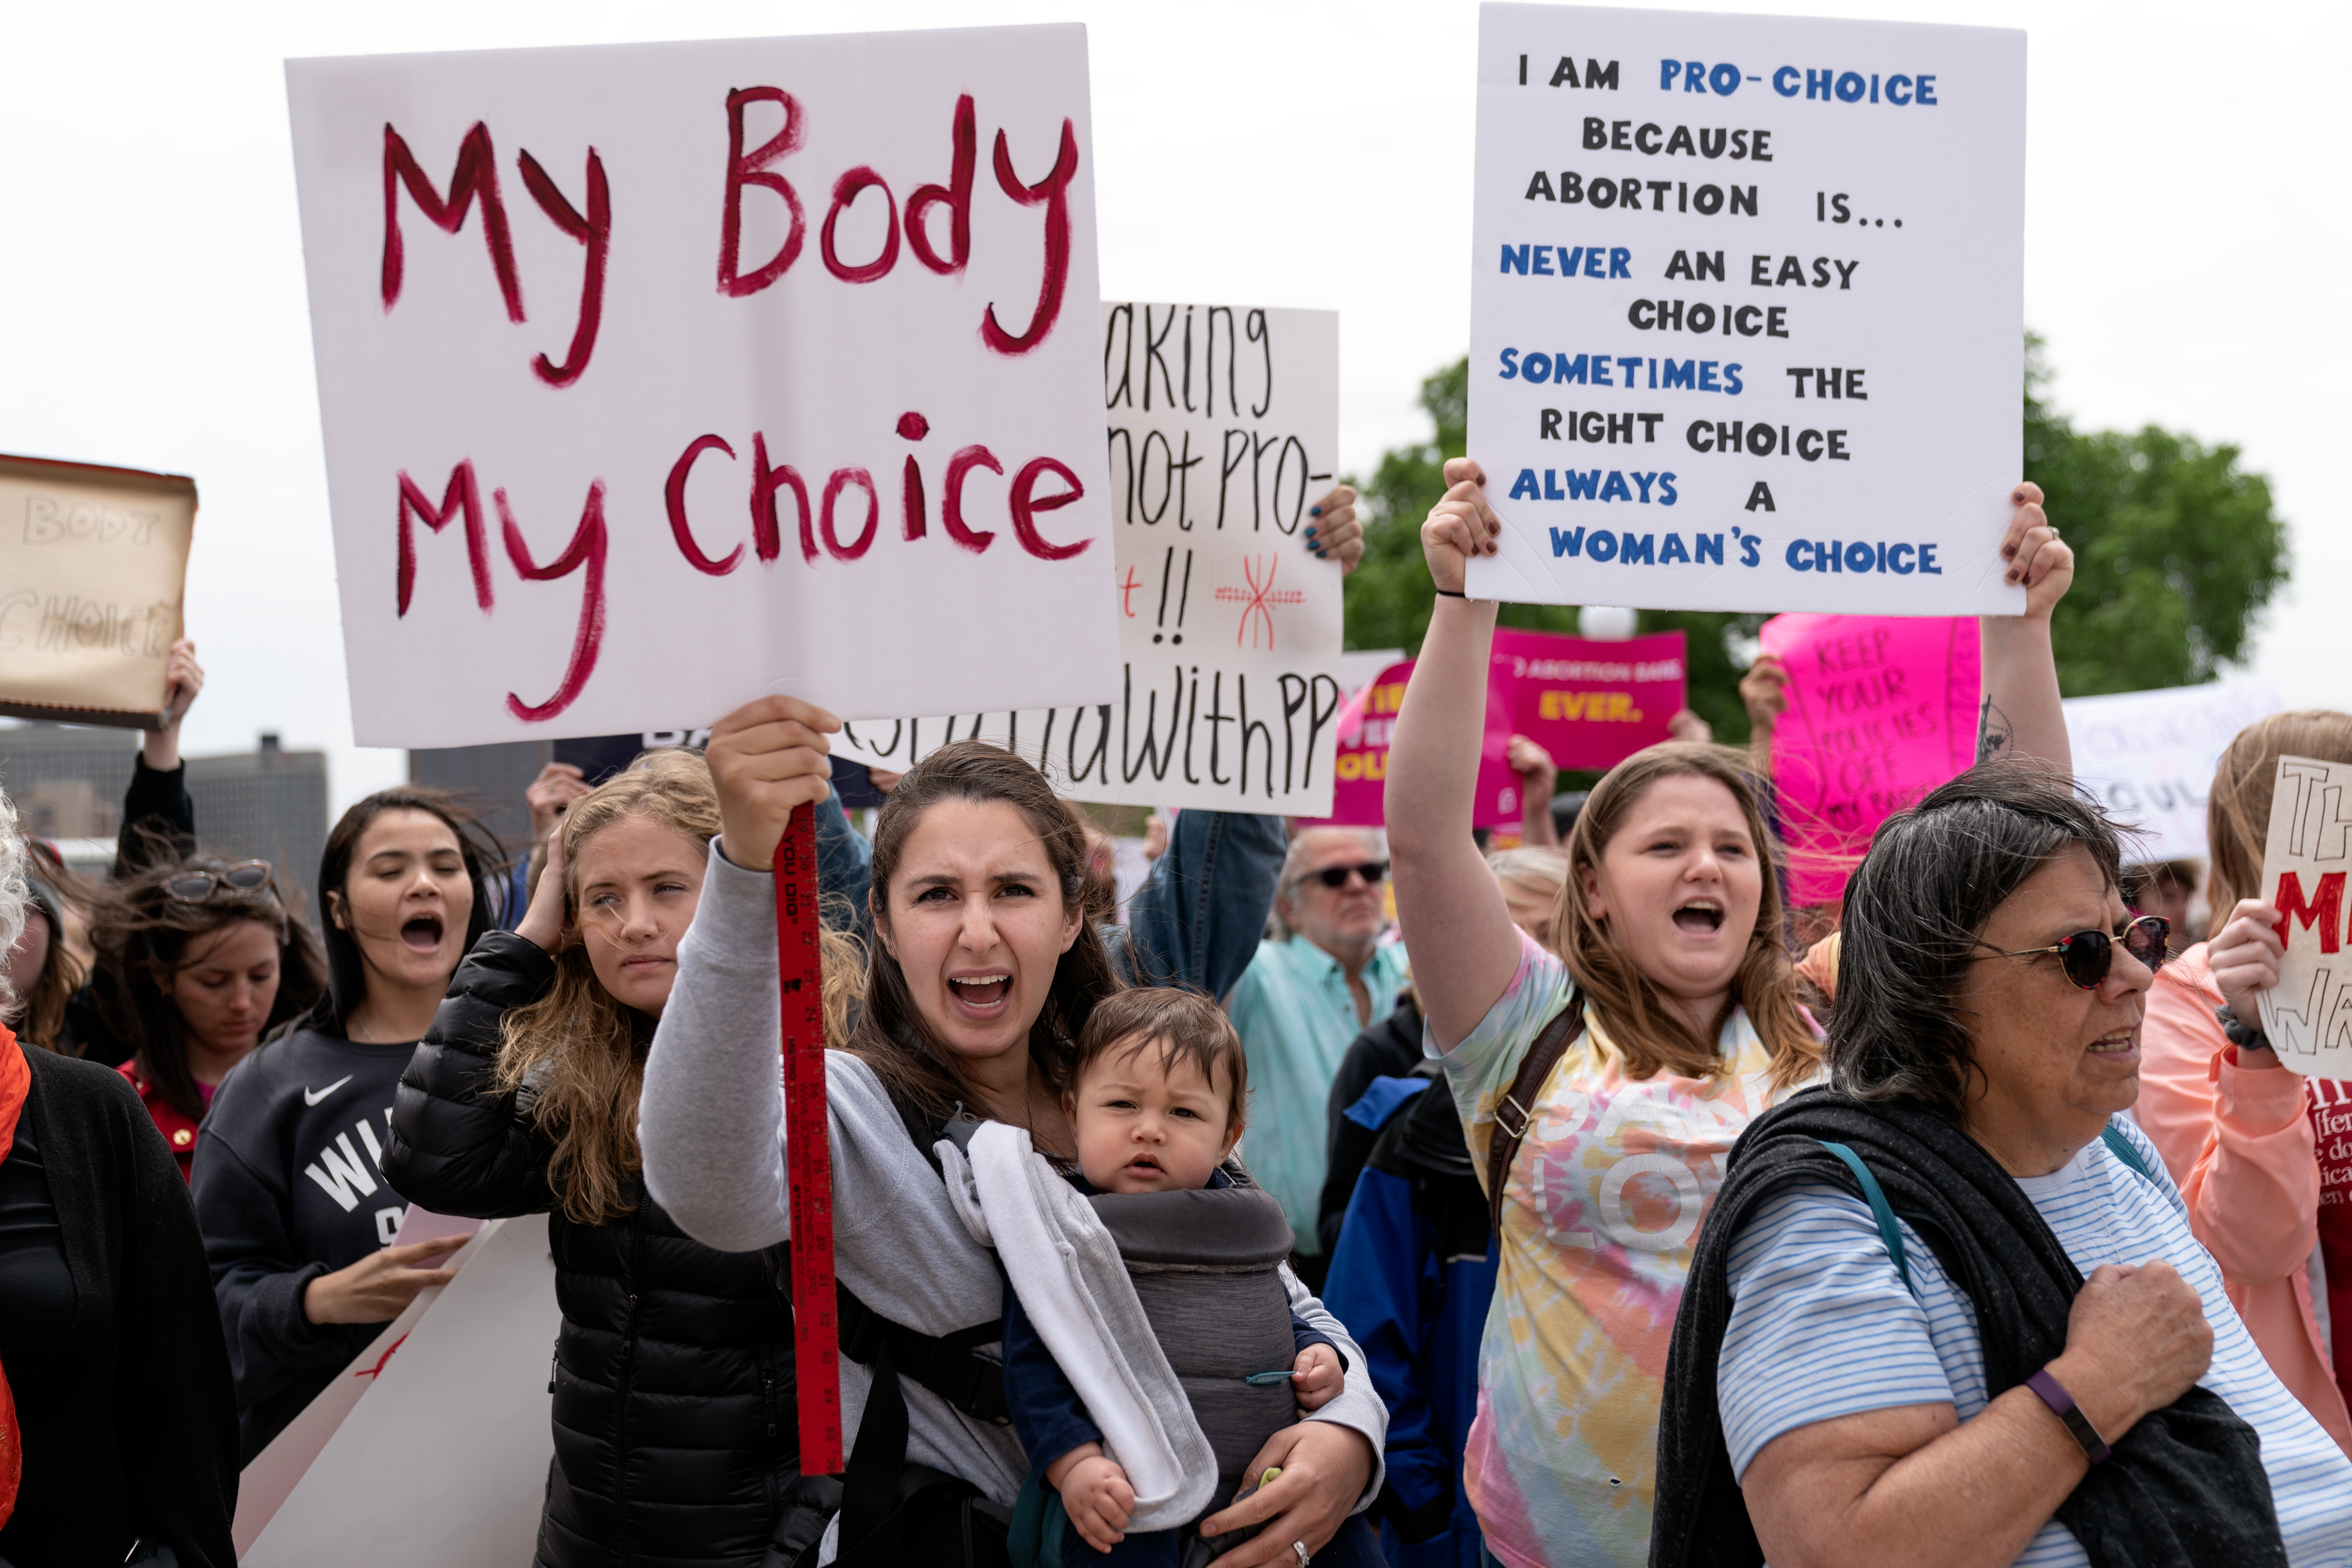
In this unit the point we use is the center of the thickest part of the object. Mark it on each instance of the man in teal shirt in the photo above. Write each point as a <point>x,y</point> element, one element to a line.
<point>1302,1002</point>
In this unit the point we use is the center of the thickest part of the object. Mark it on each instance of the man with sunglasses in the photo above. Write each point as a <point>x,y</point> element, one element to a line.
<point>1302,1002</point>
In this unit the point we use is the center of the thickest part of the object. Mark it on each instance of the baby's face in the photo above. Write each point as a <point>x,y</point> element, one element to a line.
<point>1148,1125</point>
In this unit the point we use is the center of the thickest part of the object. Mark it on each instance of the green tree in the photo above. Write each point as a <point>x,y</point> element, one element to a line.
<point>2176,549</point>
<point>1389,596</point>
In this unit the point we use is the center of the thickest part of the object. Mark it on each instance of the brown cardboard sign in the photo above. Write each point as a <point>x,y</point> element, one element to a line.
<point>93,567</point>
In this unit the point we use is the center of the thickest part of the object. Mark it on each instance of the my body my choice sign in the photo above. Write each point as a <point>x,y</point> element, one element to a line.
<point>651,373</point>
<point>1747,310</point>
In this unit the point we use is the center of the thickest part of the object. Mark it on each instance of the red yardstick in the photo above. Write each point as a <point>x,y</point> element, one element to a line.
<point>817,1334</point>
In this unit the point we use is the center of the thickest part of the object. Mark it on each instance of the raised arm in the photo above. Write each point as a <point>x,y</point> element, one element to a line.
<point>1455,925</point>
<point>710,1118</point>
<point>2020,711</point>
<point>1197,919</point>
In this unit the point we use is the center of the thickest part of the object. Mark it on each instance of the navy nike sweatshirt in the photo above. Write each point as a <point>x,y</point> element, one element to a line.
<point>289,1184</point>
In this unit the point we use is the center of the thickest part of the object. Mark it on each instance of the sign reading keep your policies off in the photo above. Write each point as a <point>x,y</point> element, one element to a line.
<point>1747,310</point>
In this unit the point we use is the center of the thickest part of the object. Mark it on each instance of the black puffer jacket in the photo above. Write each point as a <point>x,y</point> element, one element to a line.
<point>675,1431</point>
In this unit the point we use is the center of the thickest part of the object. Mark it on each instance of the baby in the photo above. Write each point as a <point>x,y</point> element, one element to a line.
<point>1156,1100</point>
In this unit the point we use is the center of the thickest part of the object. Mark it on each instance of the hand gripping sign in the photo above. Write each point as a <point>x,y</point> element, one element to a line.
<point>651,375</point>
<point>2308,1014</point>
<point>1747,310</point>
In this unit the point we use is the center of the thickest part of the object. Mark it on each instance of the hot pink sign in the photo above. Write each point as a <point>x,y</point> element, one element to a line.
<point>1590,704</point>
<point>1361,765</point>
<point>1881,708</point>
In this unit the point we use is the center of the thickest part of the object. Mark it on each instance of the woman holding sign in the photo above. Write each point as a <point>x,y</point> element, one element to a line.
<point>1600,1077</point>
<point>2249,1142</point>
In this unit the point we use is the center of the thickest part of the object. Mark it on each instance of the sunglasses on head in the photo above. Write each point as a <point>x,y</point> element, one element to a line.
<point>195,887</point>
<point>2087,955</point>
<point>1372,871</point>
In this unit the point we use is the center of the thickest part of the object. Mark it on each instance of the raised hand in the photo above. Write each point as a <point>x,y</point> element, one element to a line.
<point>1459,526</point>
<point>2037,557</point>
<point>1332,532</point>
<point>767,757</point>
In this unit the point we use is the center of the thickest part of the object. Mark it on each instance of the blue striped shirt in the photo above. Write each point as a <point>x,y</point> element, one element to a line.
<point>1823,1326</point>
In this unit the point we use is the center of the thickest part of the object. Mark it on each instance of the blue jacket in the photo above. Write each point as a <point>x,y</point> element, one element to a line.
<point>1412,1277</point>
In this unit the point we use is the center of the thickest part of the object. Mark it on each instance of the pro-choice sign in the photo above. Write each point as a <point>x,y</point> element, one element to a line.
<point>1747,310</point>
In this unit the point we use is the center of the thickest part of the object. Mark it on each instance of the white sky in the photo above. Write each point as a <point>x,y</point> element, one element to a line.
<point>2184,248</point>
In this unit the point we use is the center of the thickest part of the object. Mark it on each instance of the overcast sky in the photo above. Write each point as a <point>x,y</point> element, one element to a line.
<point>2184,247</point>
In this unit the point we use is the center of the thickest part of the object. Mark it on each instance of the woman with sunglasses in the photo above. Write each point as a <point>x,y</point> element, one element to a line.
<point>1301,1004</point>
<point>289,1180</point>
<point>196,960</point>
<point>1601,1080</point>
<point>2259,1151</point>
<point>1951,1310</point>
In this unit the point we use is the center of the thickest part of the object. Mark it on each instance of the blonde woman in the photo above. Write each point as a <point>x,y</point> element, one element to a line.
<point>675,1437</point>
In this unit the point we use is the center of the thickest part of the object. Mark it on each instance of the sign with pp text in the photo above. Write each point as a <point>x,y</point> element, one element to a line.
<point>2308,1014</point>
<point>1223,435</point>
<point>1747,310</point>
<point>655,375</point>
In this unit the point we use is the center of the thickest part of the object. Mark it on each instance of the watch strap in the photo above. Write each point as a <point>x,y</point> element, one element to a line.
<point>2054,1393</point>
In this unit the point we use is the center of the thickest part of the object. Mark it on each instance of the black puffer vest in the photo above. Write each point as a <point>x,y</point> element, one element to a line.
<point>675,1439</point>
<point>1205,1266</point>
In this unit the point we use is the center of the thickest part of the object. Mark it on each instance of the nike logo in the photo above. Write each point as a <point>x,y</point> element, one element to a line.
<point>313,1096</point>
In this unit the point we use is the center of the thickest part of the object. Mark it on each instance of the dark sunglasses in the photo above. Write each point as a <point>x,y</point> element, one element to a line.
<point>1373,872</point>
<point>195,887</point>
<point>2087,955</point>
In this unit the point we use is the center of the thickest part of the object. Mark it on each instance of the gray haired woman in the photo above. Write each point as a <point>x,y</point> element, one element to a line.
<point>1949,1311</point>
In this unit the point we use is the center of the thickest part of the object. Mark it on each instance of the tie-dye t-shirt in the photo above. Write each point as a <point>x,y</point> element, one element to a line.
<point>1603,1204</point>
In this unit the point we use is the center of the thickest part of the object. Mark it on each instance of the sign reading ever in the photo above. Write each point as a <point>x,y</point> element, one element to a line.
<point>1225,428</point>
<point>654,376</point>
<point>1747,310</point>
<point>2308,1014</point>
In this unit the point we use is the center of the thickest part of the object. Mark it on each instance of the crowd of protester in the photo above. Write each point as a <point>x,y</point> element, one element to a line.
<point>1339,1194</point>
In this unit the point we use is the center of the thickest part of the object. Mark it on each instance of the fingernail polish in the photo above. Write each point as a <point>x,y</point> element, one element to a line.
<point>1315,511</point>
<point>1310,531</point>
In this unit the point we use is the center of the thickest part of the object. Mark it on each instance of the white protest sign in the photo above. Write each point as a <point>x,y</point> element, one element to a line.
<point>444,1459</point>
<point>2308,1014</point>
<point>2148,757</point>
<point>271,1477</point>
<point>656,378</point>
<point>1224,431</point>
<point>1747,310</point>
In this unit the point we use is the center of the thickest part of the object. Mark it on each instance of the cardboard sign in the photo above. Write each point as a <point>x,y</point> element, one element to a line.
<point>2148,757</point>
<point>1361,765</point>
<point>93,563</point>
<point>443,1458</point>
<point>1224,430</point>
<point>654,376</point>
<point>2308,1014</point>
<point>1881,709</point>
<point>1747,310</point>
<point>1590,704</point>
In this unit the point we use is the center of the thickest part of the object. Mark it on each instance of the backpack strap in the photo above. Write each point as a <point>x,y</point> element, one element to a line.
<point>2124,1151</point>
<point>1875,1196</point>
<point>1503,1143</point>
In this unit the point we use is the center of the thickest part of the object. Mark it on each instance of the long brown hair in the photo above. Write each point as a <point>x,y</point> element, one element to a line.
<point>41,1016</point>
<point>1650,1039</point>
<point>2237,812</point>
<point>891,1035</point>
<point>141,933</point>
<point>581,1052</point>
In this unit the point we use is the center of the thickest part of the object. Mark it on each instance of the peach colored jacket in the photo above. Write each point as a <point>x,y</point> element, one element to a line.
<point>2239,1144</point>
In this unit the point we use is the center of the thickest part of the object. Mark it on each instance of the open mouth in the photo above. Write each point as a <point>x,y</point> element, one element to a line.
<point>1700,915</point>
<point>422,933</point>
<point>980,992</point>
<point>1144,1166</point>
<point>2124,1043</point>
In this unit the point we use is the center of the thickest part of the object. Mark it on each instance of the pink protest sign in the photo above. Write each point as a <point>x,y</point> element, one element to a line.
<point>1881,708</point>
<point>1590,704</point>
<point>1359,771</point>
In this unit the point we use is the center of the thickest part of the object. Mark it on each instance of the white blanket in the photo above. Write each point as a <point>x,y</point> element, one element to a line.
<point>1066,1269</point>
